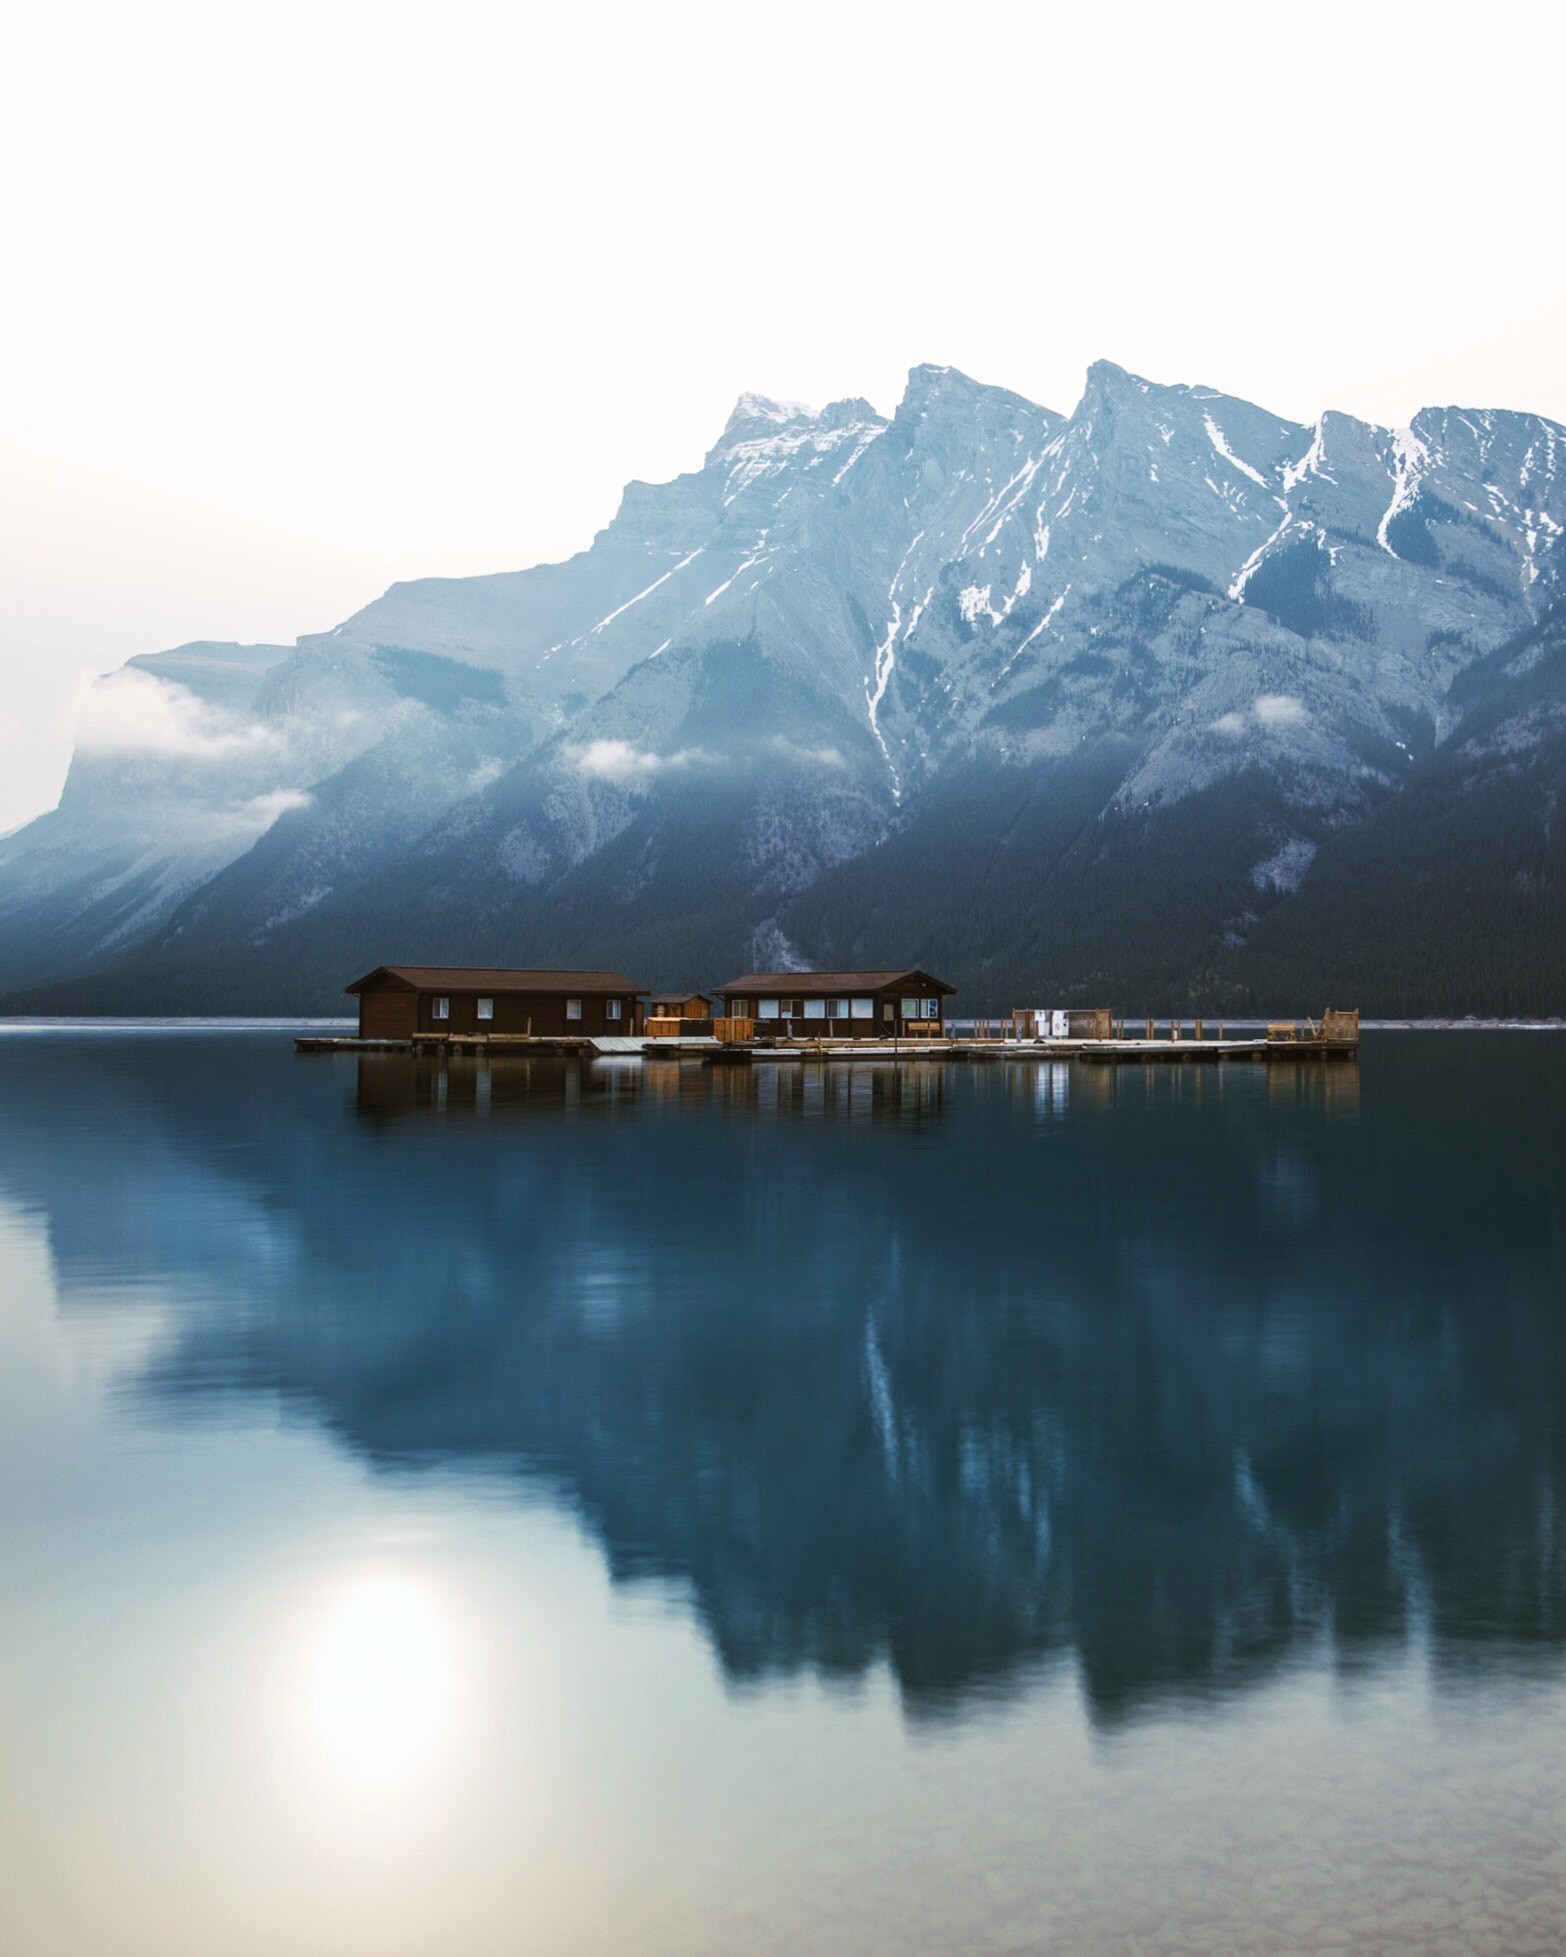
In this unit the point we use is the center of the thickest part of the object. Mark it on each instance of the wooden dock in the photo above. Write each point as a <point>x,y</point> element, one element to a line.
<point>1111,1052</point>
<point>1186,1052</point>
<point>496,1046</point>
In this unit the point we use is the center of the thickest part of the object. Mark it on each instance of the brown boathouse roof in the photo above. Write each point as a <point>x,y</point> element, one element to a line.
<point>765,983</point>
<point>492,978</point>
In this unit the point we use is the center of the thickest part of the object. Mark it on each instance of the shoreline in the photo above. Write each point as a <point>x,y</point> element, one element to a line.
<point>286,1022</point>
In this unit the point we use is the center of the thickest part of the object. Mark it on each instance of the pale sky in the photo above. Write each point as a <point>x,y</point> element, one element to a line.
<point>303,299</point>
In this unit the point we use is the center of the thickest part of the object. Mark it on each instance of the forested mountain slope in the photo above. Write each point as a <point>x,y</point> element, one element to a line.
<point>1168,702</point>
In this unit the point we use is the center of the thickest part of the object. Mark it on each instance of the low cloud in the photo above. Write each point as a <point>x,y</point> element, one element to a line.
<point>622,761</point>
<point>255,816</point>
<point>820,757</point>
<point>1279,710</point>
<point>281,801</point>
<point>1268,710</point>
<point>134,712</point>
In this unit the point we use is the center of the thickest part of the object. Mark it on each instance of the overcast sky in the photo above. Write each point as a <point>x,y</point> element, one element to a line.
<point>305,299</point>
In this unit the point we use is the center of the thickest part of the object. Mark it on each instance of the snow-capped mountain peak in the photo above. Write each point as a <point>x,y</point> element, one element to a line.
<point>842,639</point>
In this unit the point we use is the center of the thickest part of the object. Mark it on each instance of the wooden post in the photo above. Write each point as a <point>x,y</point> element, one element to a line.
<point>1198,1033</point>
<point>1152,1030</point>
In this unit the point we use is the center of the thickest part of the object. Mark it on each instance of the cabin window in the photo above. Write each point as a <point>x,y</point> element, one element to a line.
<point>441,1009</point>
<point>740,1009</point>
<point>913,1009</point>
<point>486,1009</point>
<point>862,1008</point>
<point>815,1009</point>
<point>768,1009</point>
<point>611,1009</point>
<point>573,1009</point>
<point>932,1008</point>
<point>836,1009</point>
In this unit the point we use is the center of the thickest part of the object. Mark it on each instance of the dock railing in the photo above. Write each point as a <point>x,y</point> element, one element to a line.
<point>1341,1028</point>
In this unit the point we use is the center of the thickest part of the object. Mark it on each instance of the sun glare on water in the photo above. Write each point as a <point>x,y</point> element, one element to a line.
<point>382,1680</point>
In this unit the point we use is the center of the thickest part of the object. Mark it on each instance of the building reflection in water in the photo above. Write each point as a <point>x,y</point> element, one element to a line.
<point>1176,1370</point>
<point>400,1085</point>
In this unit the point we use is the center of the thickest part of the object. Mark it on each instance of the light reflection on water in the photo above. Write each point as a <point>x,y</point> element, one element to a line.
<point>665,1507</point>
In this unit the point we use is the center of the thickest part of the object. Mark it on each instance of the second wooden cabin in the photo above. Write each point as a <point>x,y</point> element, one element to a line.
<point>838,1005</point>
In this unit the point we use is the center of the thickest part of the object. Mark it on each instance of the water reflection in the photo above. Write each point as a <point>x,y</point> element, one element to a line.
<point>1180,1371</point>
<point>400,1086</point>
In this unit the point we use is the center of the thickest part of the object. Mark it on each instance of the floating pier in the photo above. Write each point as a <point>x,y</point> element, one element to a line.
<point>1173,1049</point>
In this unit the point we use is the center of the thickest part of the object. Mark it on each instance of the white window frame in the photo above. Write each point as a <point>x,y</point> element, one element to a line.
<point>611,1009</point>
<point>815,1009</point>
<point>486,1009</point>
<point>767,1009</point>
<point>440,1007</point>
<point>861,1009</point>
<point>573,1009</point>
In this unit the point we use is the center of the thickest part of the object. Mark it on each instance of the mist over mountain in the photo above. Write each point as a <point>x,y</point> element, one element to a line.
<point>1167,703</point>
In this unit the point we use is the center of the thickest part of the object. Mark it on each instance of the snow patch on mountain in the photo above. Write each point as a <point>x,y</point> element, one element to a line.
<point>1216,436</point>
<point>619,610</point>
<point>765,439</point>
<point>1285,868</point>
<point>771,950</point>
<point>1249,568</point>
<point>1410,458</point>
<point>974,603</point>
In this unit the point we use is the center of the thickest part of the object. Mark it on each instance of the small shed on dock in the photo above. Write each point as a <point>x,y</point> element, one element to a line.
<point>399,1002</point>
<point>679,1015</point>
<point>839,1005</point>
<point>679,1005</point>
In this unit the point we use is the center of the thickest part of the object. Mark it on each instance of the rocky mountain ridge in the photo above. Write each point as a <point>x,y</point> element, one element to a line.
<point>1069,706</point>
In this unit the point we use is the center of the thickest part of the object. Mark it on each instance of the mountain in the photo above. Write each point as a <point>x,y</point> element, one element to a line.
<point>1168,702</point>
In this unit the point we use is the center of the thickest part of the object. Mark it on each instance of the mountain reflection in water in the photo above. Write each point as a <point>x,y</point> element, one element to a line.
<point>1180,1371</point>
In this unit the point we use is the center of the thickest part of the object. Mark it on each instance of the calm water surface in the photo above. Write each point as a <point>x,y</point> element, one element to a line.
<point>644,1508</point>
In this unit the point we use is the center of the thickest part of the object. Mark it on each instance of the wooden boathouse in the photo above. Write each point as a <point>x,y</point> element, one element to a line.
<point>678,1015</point>
<point>839,1005</point>
<point>466,1002</point>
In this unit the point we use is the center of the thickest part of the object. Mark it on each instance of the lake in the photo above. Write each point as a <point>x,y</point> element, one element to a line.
<point>646,1507</point>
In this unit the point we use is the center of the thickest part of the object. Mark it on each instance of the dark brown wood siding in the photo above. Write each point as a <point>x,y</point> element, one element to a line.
<point>886,1023</point>
<point>389,1010</point>
<point>387,1013</point>
<point>543,1014</point>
